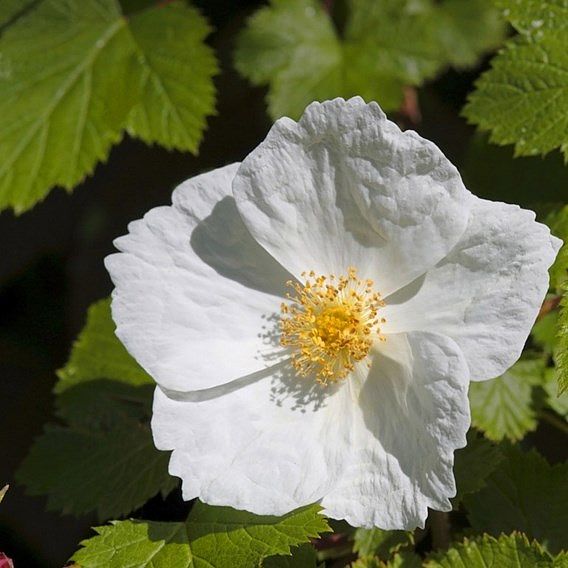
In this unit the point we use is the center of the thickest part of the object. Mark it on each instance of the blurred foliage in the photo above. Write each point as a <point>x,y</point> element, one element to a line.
<point>385,45</point>
<point>526,494</point>
<point>75,75</point>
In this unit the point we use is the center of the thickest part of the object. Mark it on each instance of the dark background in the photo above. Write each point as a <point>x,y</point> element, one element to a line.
<point>51,260</point>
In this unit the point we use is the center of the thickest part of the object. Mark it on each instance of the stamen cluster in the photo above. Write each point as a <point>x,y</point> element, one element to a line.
<point>330,324</point>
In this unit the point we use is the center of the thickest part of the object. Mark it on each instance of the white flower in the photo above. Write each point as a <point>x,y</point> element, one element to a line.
<point>353,393</point>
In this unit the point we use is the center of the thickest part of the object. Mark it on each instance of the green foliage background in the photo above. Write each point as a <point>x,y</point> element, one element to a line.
<point>78,76</point>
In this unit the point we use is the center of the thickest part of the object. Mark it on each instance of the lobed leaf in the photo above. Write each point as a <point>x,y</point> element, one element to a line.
<point>211,536</point>
<point>503,407</point>
<point>523,98</point>
<point>83,470</point>
<point>74,74</point>
<point>293,47</point>
<point>507,551</point>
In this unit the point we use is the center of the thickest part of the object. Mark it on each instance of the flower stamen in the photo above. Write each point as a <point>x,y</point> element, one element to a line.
<point>330,324</point>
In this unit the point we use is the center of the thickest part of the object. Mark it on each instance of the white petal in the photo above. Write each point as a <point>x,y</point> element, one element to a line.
<point>487,292</point>
<point>413,414</point>
<point>194,292</point>
<point>267,446</point>
<point>345,187</point>
<point>378,452</point>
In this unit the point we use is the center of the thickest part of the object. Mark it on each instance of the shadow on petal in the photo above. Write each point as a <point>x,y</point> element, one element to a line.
<point>223,242</point>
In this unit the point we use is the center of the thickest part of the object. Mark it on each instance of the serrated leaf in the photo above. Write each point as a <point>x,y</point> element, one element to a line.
<point>503,407</point>
<point>293,47</point>
<point>473,465</point>
<point>177,92</point>
<point>558,402</point>
<point>534,16</point>
<point>303,556</point>
<point>523,98</point>
<point>513,551</point>
<point>111,471</point>
<point>561,353</point>
<point>98,354</point>
<point>58,101</point>
<point>71,74</point>
<point>526,494</point>
<point>211,536</point>
<point>380,543</point>
<point>558,223</point>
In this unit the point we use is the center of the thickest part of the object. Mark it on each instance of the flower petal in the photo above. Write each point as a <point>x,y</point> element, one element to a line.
<point>487,292</point>
<point>266,445</point>
<point>378,452</point>
<point>345,187</point>
<point>413,414</point>
<point>194,292</point>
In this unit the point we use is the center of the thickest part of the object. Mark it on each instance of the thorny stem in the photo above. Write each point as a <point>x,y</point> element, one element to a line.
<point>440,530</point>
<point>553,420</point>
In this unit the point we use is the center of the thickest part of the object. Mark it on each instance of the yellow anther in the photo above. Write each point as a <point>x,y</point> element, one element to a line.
<point>330,324</point>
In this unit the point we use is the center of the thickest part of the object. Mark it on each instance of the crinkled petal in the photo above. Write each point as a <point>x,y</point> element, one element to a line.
<point>345,187</point>
<point>375,451</point>
<point>194,294</point>
<point>267,446</point>
<point>413,412</point>
<point>487,292</point>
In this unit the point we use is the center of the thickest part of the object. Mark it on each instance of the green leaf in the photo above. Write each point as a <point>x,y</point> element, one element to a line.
<point>503,407</point>
<point>303,556</point>
<point>561,353</point>
<point>474,464</point>
<point>524,493</point>
<point>507,551</point>
<point>523,98</point>
<point>558,402</point>
<point>211,536</point>
<point>98,354</point>
<point>103,403</point>
<point>111,471</point>
<point>104,460</point>
<point>381,543</point>
<point>532,17</point>
<point>293,47</point>
<point>558,223</point>
<point>176,69</point>
<point>74,75</point>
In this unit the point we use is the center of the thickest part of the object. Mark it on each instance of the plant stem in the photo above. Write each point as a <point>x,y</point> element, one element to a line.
<point>440,530</point>
<point>555,421</point>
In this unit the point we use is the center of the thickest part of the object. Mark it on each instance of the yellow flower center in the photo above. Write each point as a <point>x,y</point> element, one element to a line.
<point>330,323</point>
